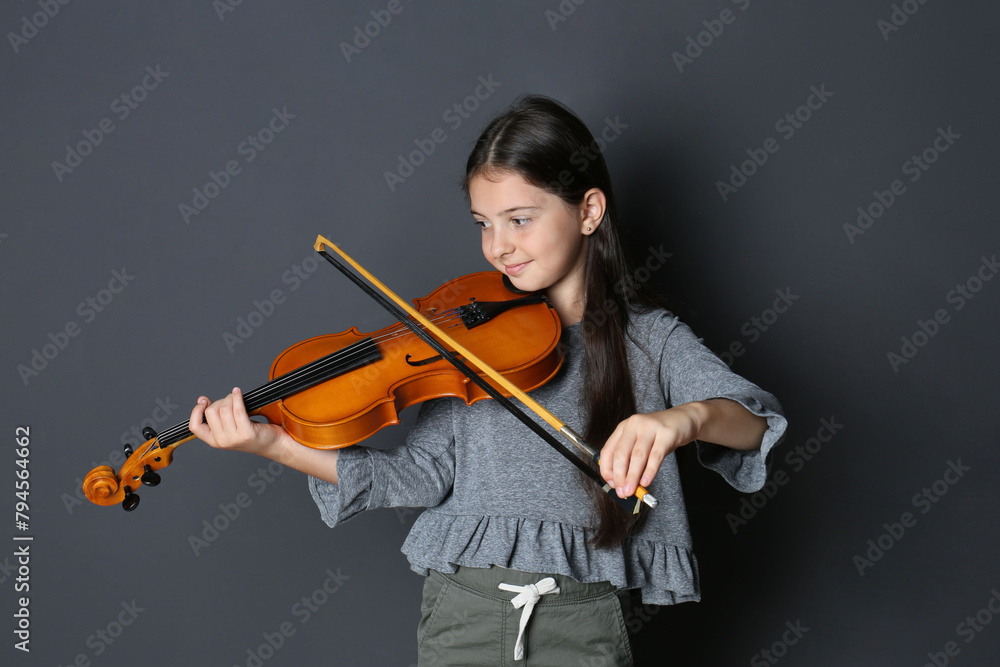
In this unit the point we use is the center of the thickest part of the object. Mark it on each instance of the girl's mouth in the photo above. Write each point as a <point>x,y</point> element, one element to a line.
<point>514,269</point>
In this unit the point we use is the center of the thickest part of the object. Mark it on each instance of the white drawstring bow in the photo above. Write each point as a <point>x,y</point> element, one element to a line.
<point>527,597</point>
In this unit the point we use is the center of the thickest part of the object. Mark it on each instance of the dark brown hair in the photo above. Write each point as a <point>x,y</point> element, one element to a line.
<point>552,149</point>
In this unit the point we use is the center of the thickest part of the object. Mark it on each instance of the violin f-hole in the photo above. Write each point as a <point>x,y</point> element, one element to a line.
<point>428,360</point>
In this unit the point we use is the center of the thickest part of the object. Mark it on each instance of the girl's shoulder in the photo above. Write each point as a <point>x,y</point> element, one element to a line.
<point>652,325</point>
<point>658,333</point>
<point>648,331</point>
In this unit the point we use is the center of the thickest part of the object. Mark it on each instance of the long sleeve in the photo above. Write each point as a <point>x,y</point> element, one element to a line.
<point>417,474</point>
<point>689,371</point>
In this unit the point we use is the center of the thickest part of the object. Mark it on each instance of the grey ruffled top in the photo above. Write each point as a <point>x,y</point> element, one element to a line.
<point>498,495</point>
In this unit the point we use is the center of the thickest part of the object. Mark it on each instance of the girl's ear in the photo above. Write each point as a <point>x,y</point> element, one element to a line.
<point>592,210</point>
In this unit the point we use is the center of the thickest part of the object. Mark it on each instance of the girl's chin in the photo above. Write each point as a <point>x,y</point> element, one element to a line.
<point>526,284</point>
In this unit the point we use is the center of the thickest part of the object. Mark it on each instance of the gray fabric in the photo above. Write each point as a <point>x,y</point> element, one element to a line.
<point>498,495</point>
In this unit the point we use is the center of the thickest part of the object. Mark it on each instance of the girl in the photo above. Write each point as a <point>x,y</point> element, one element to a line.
<point>510,523</point>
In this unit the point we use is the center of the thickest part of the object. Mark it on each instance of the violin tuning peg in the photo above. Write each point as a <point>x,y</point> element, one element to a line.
<point>150,478</point>
<point>148,433</point>
<point>131,500</point>
<point>128,450</point>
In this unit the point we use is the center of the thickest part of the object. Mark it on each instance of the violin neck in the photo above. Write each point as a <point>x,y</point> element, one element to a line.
<point>342,361</point>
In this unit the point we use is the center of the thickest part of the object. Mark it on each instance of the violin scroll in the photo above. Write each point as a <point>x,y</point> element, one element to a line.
<point>101,483</point>
<point>102,486</point>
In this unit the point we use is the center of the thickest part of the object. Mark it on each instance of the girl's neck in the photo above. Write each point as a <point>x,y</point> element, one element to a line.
<point>568,299</point>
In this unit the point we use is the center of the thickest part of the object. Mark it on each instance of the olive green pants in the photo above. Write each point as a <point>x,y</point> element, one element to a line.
<point>467,621</point>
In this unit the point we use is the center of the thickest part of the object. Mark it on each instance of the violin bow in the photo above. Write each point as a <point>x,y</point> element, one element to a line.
<point>421,325</point>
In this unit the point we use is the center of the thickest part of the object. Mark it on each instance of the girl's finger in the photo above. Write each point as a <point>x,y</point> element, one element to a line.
<point>653,463</point>
<point>622,459</point>
<point>224,415</point>
<point>240,416</point>
<point>196,424</point>
<point>637,462</point>
<point>606,461</point>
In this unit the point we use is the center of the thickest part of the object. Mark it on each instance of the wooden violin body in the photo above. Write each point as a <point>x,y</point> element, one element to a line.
<point>335,390</point>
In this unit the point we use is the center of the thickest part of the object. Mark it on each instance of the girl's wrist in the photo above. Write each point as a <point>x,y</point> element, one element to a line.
<point>319,463</point>
<point>699,413</point>
<point>282,449</point>
<point>726,422</point>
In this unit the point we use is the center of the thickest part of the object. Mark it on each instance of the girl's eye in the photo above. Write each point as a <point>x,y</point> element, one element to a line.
<point>520,221</point>
<point>482,223</point>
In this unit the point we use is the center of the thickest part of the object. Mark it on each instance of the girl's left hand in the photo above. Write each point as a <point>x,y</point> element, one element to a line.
<point>634,452</point>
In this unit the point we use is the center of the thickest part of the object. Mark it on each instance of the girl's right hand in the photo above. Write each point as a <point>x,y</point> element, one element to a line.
<point>225,424</point>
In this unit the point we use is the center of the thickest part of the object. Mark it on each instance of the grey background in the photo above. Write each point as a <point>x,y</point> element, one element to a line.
<point>162,337</point>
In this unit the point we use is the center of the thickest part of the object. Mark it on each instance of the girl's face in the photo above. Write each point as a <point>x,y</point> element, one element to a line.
<point>536,238</point>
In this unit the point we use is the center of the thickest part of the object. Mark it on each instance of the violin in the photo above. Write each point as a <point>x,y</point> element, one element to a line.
<point>335,390</point>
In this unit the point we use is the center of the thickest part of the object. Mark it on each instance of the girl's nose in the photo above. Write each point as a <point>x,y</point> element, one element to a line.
<point>500,244</point>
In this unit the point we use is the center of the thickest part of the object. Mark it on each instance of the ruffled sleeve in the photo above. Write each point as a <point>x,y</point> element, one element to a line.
<point>418,474</point>
<point>689,371</point>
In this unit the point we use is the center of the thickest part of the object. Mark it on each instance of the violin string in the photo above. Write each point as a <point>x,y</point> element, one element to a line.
<point>324,364</point>
<point>285,384</point>
<point>320,370</point>
<point>305,373</point>
<point>393,331</point>
<point>302,375</point>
